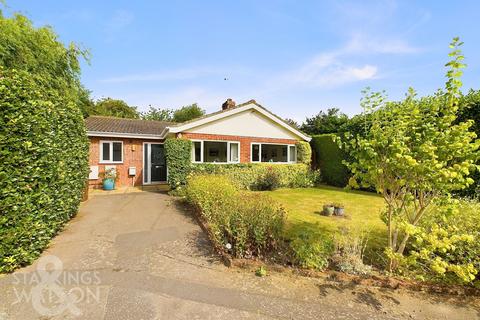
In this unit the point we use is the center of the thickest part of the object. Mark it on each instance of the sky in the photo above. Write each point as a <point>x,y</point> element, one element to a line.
<point>295,58</point>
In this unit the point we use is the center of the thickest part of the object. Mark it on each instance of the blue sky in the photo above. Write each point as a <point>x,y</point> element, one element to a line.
<point>294,57</point>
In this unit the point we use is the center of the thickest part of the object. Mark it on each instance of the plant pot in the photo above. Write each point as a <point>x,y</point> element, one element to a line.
<point>328,210</point>
<point>108,184</point>
<point>339,211</point>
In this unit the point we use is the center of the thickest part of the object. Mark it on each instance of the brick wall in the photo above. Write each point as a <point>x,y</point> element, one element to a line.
<point>244,142</point>
<point>132,157</point>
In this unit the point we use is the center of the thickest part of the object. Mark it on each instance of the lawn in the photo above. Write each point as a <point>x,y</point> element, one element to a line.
<point>362,210</point>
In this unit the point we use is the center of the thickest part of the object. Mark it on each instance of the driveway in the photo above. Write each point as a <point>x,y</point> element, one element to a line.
<point>142,256</point>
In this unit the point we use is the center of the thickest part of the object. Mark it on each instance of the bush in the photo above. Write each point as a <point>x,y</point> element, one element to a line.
<point>43,166</point>
<point>269,180</point>
<point>329,159</point>
<point>304,153</point>
<point>311,251</point>
<point>446,246</point>
<point>249,175</point>
<point>178,155</point>
<point>246,224</point>
<point>349,249</point>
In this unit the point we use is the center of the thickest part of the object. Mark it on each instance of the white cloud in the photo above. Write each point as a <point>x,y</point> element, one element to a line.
<point>360,43</point>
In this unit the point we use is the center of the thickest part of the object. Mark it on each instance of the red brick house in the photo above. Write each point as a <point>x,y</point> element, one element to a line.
<point>246,133</point>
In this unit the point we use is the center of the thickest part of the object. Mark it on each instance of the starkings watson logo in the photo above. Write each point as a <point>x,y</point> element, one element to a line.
<point>52,291</point>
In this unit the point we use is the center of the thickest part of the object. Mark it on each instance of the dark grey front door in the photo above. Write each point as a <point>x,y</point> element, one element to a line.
<point>158,167</point>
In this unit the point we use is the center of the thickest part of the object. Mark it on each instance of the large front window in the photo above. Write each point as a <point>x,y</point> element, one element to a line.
<point>267,152</point>
<point>216,151</point>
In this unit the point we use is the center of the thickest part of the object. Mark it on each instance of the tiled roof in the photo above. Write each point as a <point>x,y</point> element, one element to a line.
<point>120,125</point>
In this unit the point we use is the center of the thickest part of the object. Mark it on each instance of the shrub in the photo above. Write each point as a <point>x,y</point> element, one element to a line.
<point>311,250</point>
<point>247,175</point>
<point>446,246</point>
<point>43,166</point>
<point>304,153</point>
<point>269,180</point>
<point>329,159</point>
<point>247,224</point>
<point>178,155</point>
<point>349,249</point>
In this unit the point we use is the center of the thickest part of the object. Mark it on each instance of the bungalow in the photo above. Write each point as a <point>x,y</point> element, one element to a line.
<point>244,133</point>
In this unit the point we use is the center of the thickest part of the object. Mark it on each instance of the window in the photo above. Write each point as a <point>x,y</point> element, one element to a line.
<point>267,152</point>
<point>111,151</point>
<point>216,151</point>
<point>292,154</point>
<point>255,152</point>
<point>197,151</point>
<point>234,152</point>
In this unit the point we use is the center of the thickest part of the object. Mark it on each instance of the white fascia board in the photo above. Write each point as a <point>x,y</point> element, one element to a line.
<point>122,135</point>
<point>200,122</point>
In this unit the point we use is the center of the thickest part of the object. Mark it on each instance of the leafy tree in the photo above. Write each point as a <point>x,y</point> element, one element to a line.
<point>415,153</point>
<point>157,114</point>
<point>39,52</point>
<point>293,123</point>
<point>114,108</point>
<point>187,113</point>
<point>325,122</point>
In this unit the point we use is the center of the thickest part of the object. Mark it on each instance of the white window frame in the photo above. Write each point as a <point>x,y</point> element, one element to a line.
<point>202,160</point>
<point>279,144</point>
<point>110,156</point>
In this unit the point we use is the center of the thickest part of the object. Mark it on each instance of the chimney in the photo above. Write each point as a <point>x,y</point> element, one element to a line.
<point>228,104</point>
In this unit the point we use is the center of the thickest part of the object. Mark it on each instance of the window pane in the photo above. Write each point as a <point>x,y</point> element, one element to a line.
<point>117,151</point>
<point>293,154</point>
<point>255,152</point>
<point>274,153</point>
<point>214,151</point>
<point>197,149</point>
<point>106,151</point>
<point>234,152</point>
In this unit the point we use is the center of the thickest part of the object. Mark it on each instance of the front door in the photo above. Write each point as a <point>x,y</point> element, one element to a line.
<point>155,165</point>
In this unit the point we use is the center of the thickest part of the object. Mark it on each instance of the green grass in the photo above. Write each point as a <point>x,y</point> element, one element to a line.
<point>362,211</point>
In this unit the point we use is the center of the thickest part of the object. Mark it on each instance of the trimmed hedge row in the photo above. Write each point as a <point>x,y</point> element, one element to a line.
<point>248,175</point>
<point>246,224</point>
<point>328,158</point>
<point>178,154</point>
<point>43,166</point>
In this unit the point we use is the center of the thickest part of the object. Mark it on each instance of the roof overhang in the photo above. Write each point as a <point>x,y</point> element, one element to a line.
<point>228,113</point>
<point>123,135</point>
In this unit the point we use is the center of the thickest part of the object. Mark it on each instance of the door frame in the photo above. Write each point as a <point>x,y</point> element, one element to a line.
<point>149,164</point>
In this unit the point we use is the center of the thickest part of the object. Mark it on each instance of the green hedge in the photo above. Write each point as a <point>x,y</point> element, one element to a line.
<point>178,153</point>
<point>328,158</point>
<point>43,166</point>
<point>304,153</point>
<point>248,175</point>
<point>244,223</point>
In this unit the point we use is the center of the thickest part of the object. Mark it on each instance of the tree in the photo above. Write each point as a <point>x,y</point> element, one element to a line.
<point>38,51</point>
<point>187,113</point>
<point>414,153</point>
<point>292,123</point>
<point>114,108</point>
<point>157,114</point>
<point>330,122</point>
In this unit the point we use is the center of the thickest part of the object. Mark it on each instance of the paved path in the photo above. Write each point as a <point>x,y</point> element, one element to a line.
<point>140,256</point>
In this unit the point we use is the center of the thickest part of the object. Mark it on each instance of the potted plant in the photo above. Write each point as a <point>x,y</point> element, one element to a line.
<point>339,209</point>
<point>108,178</point>
<point>328,209</point>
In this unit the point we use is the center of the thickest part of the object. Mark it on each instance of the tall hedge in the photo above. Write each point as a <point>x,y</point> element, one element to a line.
<point>178,154</point>
<point>328,158</point>
<point>43,165</point>
<point>304,153</point>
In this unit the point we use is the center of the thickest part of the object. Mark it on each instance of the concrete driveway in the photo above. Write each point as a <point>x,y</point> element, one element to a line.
<point>142,256</point>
